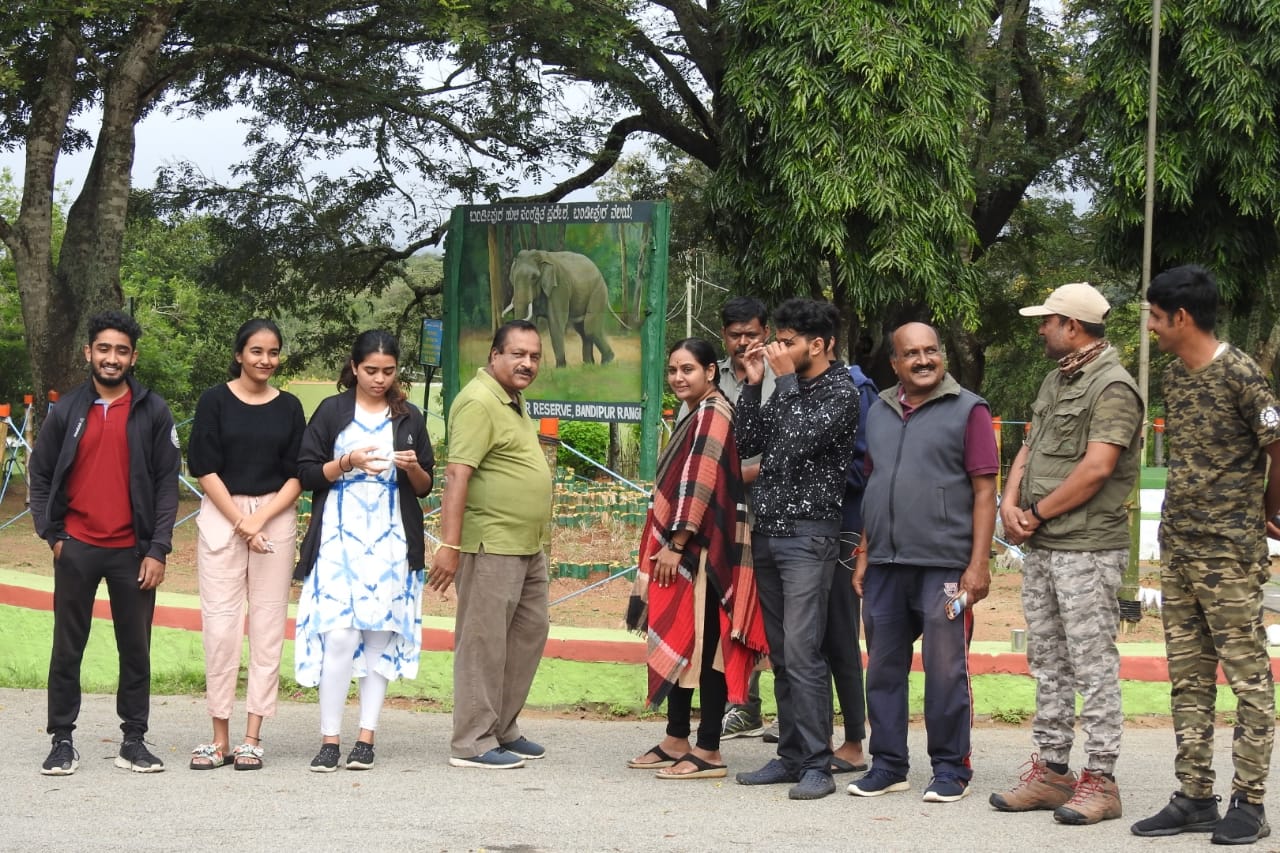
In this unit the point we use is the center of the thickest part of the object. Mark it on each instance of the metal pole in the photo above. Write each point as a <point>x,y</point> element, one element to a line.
<point>688,306</point>
<point>1148,220</point>
<point>1129,586</point>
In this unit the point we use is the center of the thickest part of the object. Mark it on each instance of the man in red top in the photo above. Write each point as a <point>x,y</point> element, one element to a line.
<point>104,495</point>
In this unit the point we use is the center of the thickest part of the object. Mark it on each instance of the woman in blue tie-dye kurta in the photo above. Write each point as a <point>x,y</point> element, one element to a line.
<point>367,457</point>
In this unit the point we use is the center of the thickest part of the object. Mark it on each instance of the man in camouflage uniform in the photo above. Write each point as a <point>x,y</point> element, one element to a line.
<point>1222,424</point>
<point>1066,498</point>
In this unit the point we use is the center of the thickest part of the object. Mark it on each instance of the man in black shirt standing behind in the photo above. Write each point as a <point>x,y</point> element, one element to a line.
<point>805,434</point>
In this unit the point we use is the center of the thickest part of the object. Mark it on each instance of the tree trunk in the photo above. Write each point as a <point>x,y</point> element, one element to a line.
<point>48,304</point>
<point>966,356</point>
<point>58,300</point>
<point>1269,349</point>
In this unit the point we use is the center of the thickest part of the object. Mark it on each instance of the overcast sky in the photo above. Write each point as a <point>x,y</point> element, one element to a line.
<point>213,144</point>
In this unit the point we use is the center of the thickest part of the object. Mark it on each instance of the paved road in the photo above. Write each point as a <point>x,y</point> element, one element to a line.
<point>580,798</point>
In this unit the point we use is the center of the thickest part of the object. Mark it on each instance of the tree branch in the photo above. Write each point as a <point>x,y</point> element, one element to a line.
<point>601,163</point>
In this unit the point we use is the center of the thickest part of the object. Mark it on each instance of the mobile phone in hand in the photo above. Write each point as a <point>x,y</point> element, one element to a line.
<point>955,606</point>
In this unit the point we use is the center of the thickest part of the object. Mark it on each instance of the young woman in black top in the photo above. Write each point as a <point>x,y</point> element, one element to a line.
<point>244,450</point>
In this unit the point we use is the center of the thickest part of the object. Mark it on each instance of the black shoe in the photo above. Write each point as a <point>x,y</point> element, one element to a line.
<point>361,757</point>
<point>813,785</point>
<point>135,756</point>
<point>773,773</point>
<point>1182,814</point>
<point>326,760</point>
<point>1244,823</point>
<point>63,758</point>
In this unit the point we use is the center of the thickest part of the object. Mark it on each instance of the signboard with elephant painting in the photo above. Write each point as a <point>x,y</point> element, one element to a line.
<point>592,277</point>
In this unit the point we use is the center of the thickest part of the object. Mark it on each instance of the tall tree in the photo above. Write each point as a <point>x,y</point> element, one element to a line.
<point>332,74</point>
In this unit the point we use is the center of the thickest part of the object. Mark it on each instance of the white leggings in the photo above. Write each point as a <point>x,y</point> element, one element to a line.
<point>340,647</point>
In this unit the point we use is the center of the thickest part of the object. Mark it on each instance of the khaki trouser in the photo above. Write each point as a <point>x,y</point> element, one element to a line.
<point>229,573</point>
<point>500,631</point>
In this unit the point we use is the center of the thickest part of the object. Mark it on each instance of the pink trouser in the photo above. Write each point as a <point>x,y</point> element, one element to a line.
<point>229,573</point>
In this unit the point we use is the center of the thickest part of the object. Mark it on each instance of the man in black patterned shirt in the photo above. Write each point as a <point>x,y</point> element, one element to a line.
<point>805,435</point>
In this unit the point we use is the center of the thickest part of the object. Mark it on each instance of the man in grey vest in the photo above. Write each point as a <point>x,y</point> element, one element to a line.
<point>928,511</point>
<point>1065,498</point>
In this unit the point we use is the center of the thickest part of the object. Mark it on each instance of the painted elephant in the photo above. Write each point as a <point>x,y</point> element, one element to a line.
<point>575,294</point>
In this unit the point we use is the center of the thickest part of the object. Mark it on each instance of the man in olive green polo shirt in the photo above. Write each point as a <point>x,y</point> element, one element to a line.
<point>493,527</point>
<point>1065,498</point>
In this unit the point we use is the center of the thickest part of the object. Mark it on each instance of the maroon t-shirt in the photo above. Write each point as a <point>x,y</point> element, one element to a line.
<point>99,510</point>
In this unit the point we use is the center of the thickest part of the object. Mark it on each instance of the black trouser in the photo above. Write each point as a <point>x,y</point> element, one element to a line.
<point>841,646</point>
<point>793,574</point>
<point>712,689</point>
<point>76,576</point>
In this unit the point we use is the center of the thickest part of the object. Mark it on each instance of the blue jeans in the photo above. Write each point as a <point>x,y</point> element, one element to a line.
<point>900,604</point>
<point>793,574</point>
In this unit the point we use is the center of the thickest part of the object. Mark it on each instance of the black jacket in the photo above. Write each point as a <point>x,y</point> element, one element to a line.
<point>331,417</point>
<point>154,463</point>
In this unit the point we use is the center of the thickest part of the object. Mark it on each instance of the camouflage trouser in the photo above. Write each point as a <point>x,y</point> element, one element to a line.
<point>1213,614</point>
<point>1069,598</point>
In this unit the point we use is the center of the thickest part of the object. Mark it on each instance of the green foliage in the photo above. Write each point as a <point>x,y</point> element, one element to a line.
<point>588,438</point>
<point>846,145</point>
<point>1218,143</point>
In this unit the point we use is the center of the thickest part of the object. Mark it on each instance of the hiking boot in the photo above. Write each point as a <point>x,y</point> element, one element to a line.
<point>1182,814</point>
<point>1040,788</point>
<point>946,788</point>
<point>361,756</point>
<point>63,758</point>
<point>326,760</point>
<point>878,782</point>
<point>1244,823</point>
<point>813,785</point>
<point>739,722</point>
<point>1096,798</point>
<point>135,756</point>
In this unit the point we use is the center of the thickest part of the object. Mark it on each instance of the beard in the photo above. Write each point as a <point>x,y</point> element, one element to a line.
<point>109,381</point>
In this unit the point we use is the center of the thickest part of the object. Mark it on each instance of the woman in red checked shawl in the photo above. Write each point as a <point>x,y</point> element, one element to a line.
<point>695,595</point>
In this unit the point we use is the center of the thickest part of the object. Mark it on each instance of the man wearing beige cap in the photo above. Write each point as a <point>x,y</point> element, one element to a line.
<point>1065,499</point>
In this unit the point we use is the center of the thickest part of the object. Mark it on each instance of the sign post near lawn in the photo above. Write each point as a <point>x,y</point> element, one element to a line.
<point>593,277</point>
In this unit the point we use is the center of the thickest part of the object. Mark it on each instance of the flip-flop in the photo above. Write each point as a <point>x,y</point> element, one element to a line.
<point>839,765</point>
<point>664,760</point>
<point>706,770</point>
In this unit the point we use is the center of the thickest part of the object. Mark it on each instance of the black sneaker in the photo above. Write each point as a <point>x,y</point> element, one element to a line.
<point>361,757</point>
<point>1244,823</point>
<point>63,758</point>
<point>1182,814</point>
<point>135,756</point>
<point>326,760</point>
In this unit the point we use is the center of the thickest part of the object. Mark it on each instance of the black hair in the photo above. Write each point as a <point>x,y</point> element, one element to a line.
<point>703,353</point>
<point>743,309</point>
<point>505,330</point>
<point>248,330</point>
<point>368,343</point>
<point>1093,330</point>
<point>1191,287</point>
<point>117,321</point>
<point>808,317</point>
